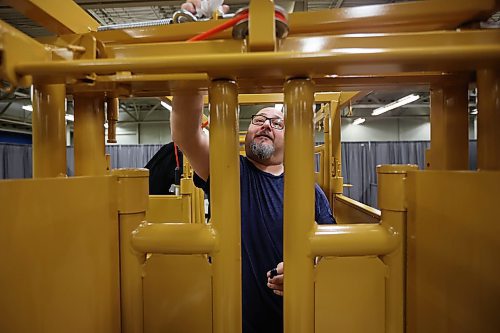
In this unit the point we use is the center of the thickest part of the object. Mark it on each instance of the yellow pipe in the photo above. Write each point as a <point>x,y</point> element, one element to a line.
<point>49,130</point>
<point>298,213</point>
<point>132,203</point>
<point>287,63</point>
<point>391,200</point>
<point>326,162</point>
<point>225,206</point>
<point>354,240</point>
<point>113,107</point>
<point>449,127</point>
<point>90,159</point>
<point>174,238</point>
<point>488,119</point>
<point>337,181</point>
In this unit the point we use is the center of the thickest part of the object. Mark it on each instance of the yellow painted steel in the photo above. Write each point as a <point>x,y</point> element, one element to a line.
<point>132,204</point>
<point>349,295</point>
<point>488,118</point>
<point>112,110</point>
<point>57,16</point>
<point>169,208</point>
<point>174,238</point>
<point>177,294</point>
<point>391,200</point>
<point>298,211</point>
<point>334,167</point>
<point>49,130</point>
<point>351,211</point>
<point>261,26</point>
<point>449,127</point>
<point>225,206</point>
<point>90,159</point>
<point>453,251</point>
<point>463,50</point>
<point>59,252</point>
<point>13,45</point>
<point>353,240</point>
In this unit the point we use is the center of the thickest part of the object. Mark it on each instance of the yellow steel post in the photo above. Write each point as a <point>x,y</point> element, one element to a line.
<point>449,128</point>
<point>392,204</point>
<point>112,110</point>
<point>261,26</point>
<point>90,159</point>
<point>49,130</point>
<point>132,205</point>
<point>298,215</point>
<point>488,119</point>
<point>326,154</point>
<point>225,200</point>
<point>337,182</point>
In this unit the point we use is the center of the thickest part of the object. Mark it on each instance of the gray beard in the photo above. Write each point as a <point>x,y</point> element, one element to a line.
<point>262,151</point>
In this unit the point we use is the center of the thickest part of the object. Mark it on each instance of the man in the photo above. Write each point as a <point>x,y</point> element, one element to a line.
<point>261,184</point>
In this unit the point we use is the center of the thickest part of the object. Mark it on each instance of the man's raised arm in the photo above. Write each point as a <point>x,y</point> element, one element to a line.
<point>185,125</point>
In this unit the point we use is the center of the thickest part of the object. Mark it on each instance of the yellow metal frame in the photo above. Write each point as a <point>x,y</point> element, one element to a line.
<point>410,44</point>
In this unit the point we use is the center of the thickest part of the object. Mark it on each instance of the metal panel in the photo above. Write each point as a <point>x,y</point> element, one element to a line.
<point>59,254</point>
<point>452,273</point>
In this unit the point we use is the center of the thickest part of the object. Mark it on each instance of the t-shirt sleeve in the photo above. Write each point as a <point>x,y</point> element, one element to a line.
<point>323,213</point>
<point>200,183</point>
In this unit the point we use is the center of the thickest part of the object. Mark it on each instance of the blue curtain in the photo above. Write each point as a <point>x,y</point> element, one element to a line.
<point>359,161</point>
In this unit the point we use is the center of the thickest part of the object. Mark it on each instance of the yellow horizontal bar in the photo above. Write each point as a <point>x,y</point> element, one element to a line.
<point>353,240</point>
<point>174,238</point>
<point>373,212</point>
<point>358,61</point>
<point>413,16</point>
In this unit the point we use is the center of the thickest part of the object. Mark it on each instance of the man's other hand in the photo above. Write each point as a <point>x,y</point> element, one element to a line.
<point>192,5</point>
<point>275,279</point>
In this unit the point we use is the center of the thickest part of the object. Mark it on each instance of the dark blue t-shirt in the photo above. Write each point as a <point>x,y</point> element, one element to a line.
<point>262,243</point>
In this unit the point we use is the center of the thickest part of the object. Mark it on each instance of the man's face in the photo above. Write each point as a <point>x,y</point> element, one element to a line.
<point>263,143</point>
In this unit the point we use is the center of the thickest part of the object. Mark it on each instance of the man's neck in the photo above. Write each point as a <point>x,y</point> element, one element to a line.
<point>274,169</point>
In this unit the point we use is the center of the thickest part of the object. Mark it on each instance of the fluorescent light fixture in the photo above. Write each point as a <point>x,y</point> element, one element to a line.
<point>358,121</point>
<point>166,105</point>
<point>400,102</point>
<point>278,107</point>
<point>27,108</point>
<point>70,117</point>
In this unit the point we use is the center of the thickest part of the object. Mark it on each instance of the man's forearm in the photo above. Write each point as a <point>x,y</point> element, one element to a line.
<point>185,120</point>
<point>185,124</point>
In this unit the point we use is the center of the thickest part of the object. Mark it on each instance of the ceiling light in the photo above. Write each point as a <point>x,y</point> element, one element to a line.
<point>166,105</point>
<point>27,108</point>
<point>358,121</point>
<point>396,104</point>
<point>278,107</point>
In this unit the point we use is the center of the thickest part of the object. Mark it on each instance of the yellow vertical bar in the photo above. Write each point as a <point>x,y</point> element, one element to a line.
<point>225,203</point>
<point>337,182</point>
<point>261,26</point>
<point>112,111</point>
<point>90,159</point>
<point>449,128</point>
<point>49,130</point>
<point>298,215</point>
<point>392,204</point>
<point>488,119</point>
<point>326,161</point>
<point>132,204</point>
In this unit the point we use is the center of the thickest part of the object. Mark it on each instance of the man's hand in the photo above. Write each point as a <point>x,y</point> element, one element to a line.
<point>275,279</point>
<point>192,6</point>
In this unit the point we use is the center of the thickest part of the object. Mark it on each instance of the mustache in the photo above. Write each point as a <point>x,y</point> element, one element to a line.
<point>267,134</point>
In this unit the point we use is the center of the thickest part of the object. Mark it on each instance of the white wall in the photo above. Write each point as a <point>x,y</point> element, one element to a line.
<point>373,129</point>
<point>386,129</point>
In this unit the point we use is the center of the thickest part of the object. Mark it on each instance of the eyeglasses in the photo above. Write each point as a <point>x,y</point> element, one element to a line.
<point>276,123</point>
